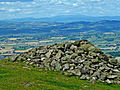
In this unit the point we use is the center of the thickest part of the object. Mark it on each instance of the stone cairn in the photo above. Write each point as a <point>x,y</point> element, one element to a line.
<point>79,58</point>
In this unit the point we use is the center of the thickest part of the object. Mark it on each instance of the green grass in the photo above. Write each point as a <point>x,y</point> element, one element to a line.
<point>18,76</point>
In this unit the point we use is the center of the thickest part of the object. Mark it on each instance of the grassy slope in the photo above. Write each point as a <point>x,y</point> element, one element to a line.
<point>18,76</point>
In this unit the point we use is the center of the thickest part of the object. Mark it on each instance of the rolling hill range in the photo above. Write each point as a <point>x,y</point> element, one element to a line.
<point>67,18</point>
<point>37,27</point>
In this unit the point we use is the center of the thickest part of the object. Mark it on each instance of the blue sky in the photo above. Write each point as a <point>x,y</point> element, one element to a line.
<point>10,9</point>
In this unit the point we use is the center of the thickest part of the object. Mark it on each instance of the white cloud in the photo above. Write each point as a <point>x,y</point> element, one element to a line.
<point>18,9</point>
<point>28,5</point>
<point>96,0</point>
<point>8,3</point>
<point>75,4</point>
<point>34,2</point>
<point>14,10</point>
<point>67,11</point>
<point>11,10</point>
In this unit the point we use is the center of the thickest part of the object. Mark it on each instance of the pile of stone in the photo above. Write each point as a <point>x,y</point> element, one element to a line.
<point>80,58</point>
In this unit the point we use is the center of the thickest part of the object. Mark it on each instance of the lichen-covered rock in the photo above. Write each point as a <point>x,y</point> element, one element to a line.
<point>76,72</point>
<point>13,58</point>
<point>58,66</point>
<point>118,60</point>
<point>59,54</point>
<point>79,58</point>
<point>108,81</point>
<point>73,47</point>
<point>112,76</point>
<point>48,54</point>
<point>20,58</point>
<point>66,66</point>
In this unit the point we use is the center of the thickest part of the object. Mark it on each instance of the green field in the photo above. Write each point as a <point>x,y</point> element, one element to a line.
<point>19,76</point>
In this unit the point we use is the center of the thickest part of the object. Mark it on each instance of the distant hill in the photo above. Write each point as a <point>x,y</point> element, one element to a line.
<point>68,18</point>
<point>58,27</point>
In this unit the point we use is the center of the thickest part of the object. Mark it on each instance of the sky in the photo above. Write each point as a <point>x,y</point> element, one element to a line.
<point>10,9</point>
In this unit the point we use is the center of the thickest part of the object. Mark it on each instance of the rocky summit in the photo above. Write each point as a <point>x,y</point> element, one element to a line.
<point>80,58</point>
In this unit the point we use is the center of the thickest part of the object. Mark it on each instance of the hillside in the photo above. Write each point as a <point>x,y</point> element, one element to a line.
<point>58,66</point>
<point>67,18</point>
<point>20,76</point>
<point>38,27</point>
